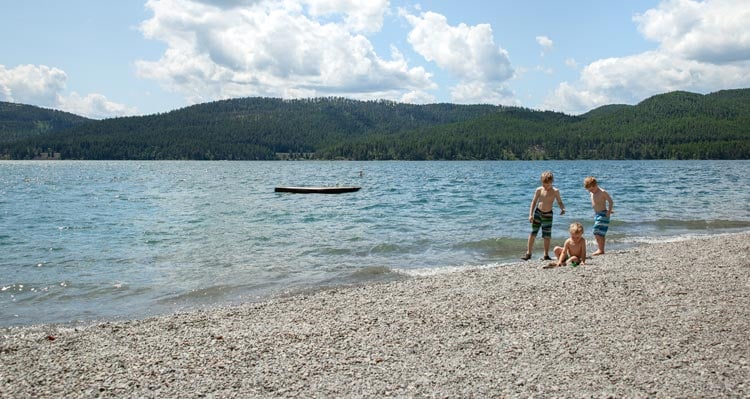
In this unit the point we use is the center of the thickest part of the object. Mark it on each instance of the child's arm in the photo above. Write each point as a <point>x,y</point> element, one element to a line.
<point>559,202</point>
<point>608,199</point>
<point>563,253</point>
<point>533,205</point>
<point>583,251</point>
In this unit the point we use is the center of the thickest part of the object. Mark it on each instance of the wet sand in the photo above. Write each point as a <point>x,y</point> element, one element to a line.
<point>663,320</point>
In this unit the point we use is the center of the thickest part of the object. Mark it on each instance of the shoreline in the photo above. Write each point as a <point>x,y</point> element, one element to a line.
<point>667,319</point>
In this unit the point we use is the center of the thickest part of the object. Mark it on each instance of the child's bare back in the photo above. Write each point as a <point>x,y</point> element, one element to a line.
<point>599,199</point>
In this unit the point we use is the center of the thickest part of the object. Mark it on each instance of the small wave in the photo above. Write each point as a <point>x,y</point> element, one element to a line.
<point>493,244</point>
<point>369,272</point>
<point>63,228</point>
<point>361,275</point>
<point>374,207</point>
<point>200,295</point>
<point>494,248</point>
<point>329,251</point>
<point>386,249</point>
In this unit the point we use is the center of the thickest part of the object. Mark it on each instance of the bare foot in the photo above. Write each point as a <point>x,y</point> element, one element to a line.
<point>598,252</point>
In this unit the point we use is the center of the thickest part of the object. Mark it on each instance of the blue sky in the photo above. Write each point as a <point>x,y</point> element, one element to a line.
<point>111,58</point>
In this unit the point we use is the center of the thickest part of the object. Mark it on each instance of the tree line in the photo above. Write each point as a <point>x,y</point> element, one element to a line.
<point>677,125</point>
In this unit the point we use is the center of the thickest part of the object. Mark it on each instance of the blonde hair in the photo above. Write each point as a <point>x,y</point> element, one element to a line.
<point>575,227</point>
<point>590,182</point>
<point>547,177</point>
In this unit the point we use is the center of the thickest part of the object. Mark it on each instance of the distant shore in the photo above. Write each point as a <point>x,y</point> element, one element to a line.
<point>664,320</point>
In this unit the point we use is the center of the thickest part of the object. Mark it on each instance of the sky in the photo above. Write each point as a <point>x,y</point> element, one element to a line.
<point>103,59</point>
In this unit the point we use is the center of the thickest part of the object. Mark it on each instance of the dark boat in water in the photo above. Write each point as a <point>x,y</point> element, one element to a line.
<point>316,190</point>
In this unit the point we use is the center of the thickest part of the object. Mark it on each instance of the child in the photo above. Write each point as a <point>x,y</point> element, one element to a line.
<point>574,249</point>
<point>540,213</point>
<point>600,200</point>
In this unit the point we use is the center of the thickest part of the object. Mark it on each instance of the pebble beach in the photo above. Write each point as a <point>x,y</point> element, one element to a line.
<point>658,320</point>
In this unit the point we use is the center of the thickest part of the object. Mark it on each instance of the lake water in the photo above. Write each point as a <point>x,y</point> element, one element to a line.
<point>82,241</point>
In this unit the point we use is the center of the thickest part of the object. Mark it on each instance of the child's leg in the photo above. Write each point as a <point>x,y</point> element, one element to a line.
<point>536,223</point>
<point>601,224</point>
<point>546,222</point>
<point>599,243</point>
<point>529,246</point>
<point>558,253</point>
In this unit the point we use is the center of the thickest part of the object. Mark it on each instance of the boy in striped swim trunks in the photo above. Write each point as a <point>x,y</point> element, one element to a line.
<point>602,203</point>
<point>540,214</point>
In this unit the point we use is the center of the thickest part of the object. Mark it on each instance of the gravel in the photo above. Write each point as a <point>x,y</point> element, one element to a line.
<point>661,320</point>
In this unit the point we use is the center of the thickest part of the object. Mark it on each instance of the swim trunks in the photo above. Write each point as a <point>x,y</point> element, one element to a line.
<point>601,223</point>
<point>543,220</point>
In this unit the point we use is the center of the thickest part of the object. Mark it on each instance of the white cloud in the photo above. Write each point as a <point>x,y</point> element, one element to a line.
<point>43,86</point>
<point>714,31</point>
<point>93,106</point>
<point>31,84</point>
<point>467,52</point>
<point>545,70</point>
<point>479,92</point>
<point>704,47</point>
<point>545,42</point>
<point>291,48</point>
<point>228,3</point>
<point>356,15</point>
<point>359,16</point>
<point>417,97</point>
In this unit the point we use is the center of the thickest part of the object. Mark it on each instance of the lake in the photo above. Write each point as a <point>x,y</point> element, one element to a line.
<point>90,240</point>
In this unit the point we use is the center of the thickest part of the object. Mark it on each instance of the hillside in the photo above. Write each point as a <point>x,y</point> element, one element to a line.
<point>247,128</point>
<point>19,121</point>
<point>674,125</point>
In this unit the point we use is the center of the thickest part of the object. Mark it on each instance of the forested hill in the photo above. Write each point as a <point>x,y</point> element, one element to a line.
<point>247,128</point>
<point>677,125</point>
<point>19,121</point>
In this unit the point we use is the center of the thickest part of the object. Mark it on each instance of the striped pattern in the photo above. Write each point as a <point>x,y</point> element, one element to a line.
<point>601,223</point>
<point>543,220</point>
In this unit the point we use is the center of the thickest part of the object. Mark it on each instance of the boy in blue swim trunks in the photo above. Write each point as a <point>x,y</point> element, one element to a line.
<point>602,203</point>
<point>540,214</point>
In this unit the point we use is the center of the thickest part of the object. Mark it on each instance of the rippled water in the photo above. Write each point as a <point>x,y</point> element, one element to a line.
<point>90,240</point>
